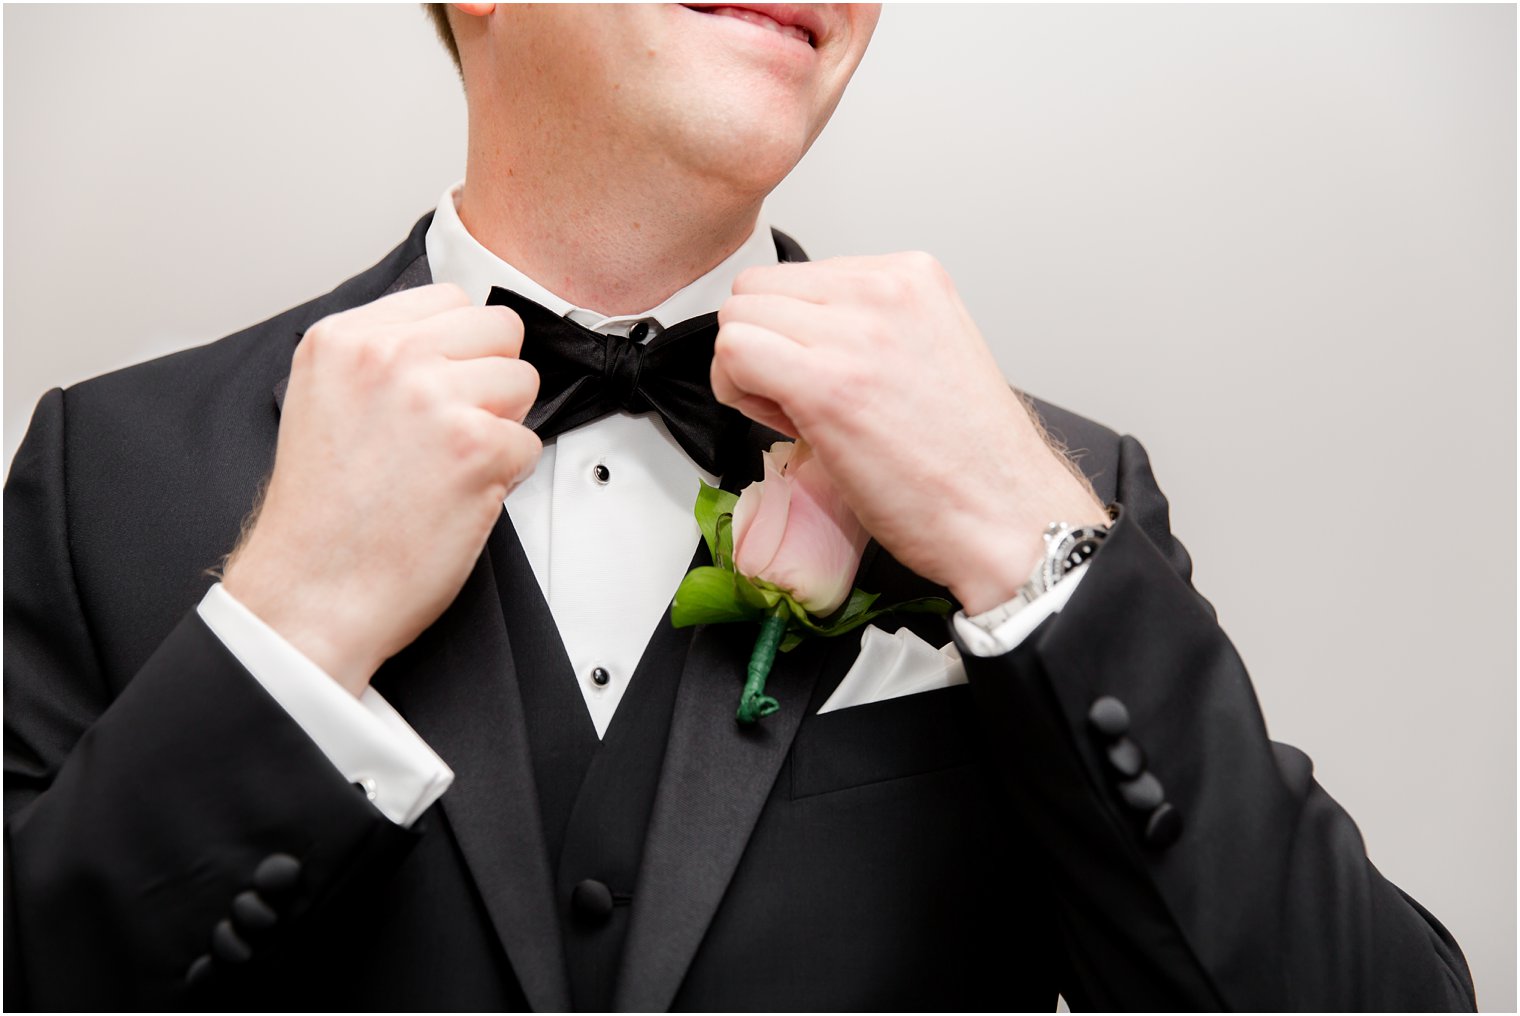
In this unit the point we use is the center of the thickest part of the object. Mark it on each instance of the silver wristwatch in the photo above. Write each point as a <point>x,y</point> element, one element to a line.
<point>1066,547</point>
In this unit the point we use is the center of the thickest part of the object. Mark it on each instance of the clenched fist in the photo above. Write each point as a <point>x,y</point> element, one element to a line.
<point>876,362</point>
<point>401,434</point>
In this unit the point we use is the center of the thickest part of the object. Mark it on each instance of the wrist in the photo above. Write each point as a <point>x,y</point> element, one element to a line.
<point>996,569</point>
<point>315,622</point>
<point>1008,552</point>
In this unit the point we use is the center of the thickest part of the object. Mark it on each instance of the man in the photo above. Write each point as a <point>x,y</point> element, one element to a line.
<point>415,751</point>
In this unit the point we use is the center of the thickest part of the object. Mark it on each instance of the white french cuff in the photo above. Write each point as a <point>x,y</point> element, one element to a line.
<point>365,738</point>
<point>1006,636</point>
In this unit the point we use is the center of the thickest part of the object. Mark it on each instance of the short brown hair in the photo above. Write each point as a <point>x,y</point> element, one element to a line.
<point>440,15</point>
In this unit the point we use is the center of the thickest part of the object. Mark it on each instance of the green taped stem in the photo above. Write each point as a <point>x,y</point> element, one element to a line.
<point>753,702</point>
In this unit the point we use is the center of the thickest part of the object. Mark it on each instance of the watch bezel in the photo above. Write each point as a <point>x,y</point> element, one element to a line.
<point>1067,547</point>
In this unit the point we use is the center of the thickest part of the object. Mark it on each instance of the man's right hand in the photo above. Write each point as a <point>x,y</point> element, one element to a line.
<point>401,434</point>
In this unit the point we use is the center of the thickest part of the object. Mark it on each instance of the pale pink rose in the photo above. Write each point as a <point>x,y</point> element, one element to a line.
<point>793,530</point>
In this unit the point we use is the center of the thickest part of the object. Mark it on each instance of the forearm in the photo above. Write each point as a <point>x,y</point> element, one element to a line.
<point>1266,900</point>
<point>136,814</point>
<point>160,816</point>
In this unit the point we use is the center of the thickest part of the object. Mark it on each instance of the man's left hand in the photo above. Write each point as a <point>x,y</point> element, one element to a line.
<point>877,364</point>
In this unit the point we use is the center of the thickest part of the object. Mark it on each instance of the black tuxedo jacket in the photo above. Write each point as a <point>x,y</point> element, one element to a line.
<point>968,848</point>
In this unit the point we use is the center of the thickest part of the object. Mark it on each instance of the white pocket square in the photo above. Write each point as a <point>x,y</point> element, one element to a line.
<point>893,665</point>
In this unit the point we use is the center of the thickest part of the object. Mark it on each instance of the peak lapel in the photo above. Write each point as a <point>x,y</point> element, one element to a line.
<point>714,782</point>
<point>457,686</point>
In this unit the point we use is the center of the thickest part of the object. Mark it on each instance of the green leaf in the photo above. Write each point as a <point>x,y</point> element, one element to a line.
<point>923,605</point>
<point>792,640</point>
<point>712,504</point>
<point>757,593</point>
<point>725,555</point>
<point>859,610</point>
<point>859,602</point>
<point>710,595</point>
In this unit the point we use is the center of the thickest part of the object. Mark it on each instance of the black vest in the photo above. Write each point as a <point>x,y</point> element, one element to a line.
<point>595,796</point>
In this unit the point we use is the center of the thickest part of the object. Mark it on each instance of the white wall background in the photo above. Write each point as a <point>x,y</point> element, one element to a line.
<point>1276,243</point>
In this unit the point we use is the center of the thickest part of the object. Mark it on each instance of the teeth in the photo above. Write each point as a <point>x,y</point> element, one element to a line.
<point>756,18</point>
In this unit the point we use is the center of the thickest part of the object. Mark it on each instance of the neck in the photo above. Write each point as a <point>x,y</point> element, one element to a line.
<point>616,246</point>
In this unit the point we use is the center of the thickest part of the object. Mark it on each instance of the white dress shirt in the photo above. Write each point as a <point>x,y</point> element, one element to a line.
<point>605,521</point>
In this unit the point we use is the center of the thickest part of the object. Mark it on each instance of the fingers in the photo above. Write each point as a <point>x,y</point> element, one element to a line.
<point>811,281</point>
<point>766,412</point>
<point>408,305</point>
<point>797,319</point>
<point>504,452</point>
<point>464,333</point>
<point>881,280</point>
<point>503,386</point>
<point>825,281</point>
<point>749,360</point>
<point>437,318</point>
<point>519,449</point>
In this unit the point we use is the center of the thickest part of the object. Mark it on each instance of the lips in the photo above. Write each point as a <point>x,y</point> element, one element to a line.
<point>793,20</point>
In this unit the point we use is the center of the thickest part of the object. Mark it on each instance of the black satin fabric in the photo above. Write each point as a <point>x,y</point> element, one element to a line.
<point>584,375</point>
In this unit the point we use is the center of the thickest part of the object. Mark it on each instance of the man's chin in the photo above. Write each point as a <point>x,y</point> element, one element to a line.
<point>751,158</point>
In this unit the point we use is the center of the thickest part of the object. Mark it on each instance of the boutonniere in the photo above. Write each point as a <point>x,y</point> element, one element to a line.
<point>785,551</point>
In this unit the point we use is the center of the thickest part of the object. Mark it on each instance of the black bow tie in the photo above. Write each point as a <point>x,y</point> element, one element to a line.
<point>584,375</point>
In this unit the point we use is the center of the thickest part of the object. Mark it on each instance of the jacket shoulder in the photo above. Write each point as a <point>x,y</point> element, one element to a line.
<point>244,364</point>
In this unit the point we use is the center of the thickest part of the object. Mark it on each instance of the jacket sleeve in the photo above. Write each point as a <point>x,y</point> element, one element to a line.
<point>133,821</point>
<point>1198,865</point>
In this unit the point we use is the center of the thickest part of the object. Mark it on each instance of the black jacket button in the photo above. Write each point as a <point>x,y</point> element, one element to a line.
<point>1126,758</point>
<point>199,972</point>
<point>226,945</point>
<point>1163,827</point>
<point>251,912</point>
<point>1109,717</point>
<point>277,874</point>
<point>1142,793</point>
<point>592,901</point>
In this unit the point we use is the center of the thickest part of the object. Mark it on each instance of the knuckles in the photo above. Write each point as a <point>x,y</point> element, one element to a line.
<point>472,441</point>
<point>421,391</point>
<point>909,277</point>
<point>336,343</point>
<point>919,265</point>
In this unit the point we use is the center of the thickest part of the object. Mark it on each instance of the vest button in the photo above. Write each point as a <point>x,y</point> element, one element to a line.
<point>592,901</point>
<point>600,677</point>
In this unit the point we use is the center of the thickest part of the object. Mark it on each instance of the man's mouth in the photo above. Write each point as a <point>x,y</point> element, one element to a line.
<point>785,19</point>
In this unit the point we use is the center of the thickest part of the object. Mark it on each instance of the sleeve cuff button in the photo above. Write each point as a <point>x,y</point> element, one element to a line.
<point>1109,717</point>
<point>1163,827</point>
<point>276,874</point>
<point>1143,793</point>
